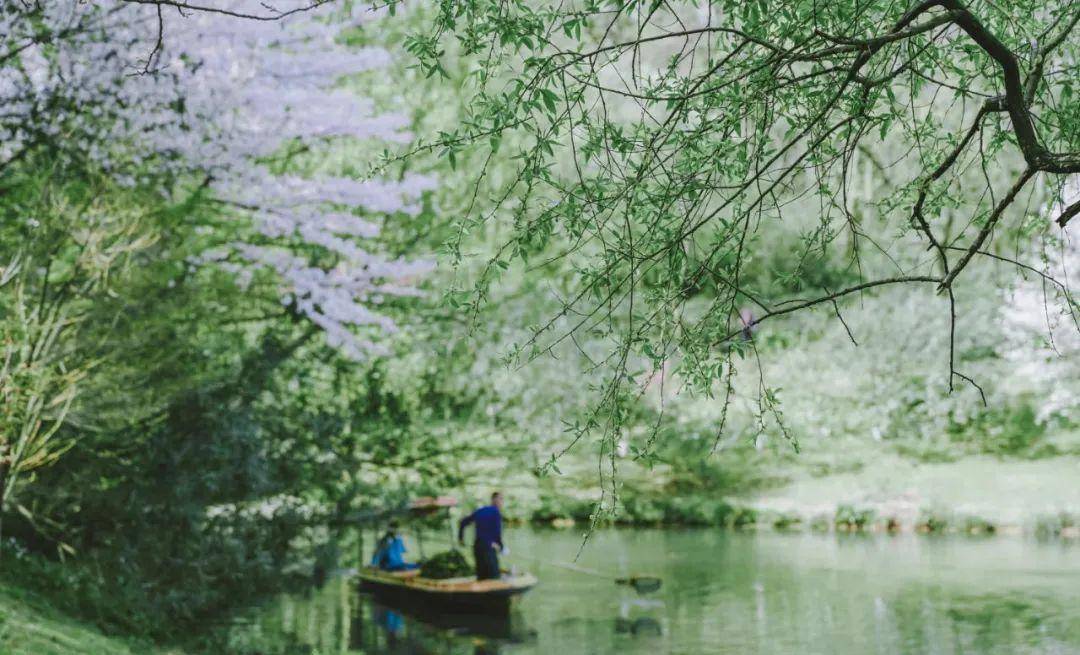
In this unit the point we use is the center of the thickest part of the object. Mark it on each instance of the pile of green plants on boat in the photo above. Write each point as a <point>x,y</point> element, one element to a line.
<point>444,565</point>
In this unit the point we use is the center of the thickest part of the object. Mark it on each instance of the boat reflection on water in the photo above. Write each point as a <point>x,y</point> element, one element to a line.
<point>381,626</point>
<point>637,617</point>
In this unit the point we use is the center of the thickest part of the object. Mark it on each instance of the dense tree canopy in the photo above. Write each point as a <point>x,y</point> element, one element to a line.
<point>190,311</point>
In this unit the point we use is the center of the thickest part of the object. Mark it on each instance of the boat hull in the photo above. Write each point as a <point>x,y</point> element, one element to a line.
<point>452,597</point>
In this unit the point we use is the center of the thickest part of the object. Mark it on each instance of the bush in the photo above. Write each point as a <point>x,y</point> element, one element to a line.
<point>786,521</point>
<point>641,510</point>
<point>849,518</point>
<point>553,508</point>
<point>977,525</point>
<point>932,521</point>
<point>1013,431</point>
<point>1056,525</point>
<point>742,517</point>
<point>690,511</point>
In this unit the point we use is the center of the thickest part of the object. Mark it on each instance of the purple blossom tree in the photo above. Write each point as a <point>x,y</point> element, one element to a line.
<point>212,92</point>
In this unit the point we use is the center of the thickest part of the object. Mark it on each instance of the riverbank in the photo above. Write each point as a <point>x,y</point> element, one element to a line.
<point>858,489</point>
<point>888,492</point>
<point>30,625</point>
<point>978,495</point>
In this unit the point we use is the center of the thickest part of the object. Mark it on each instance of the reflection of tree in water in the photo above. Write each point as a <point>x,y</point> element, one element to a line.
<point>1011,622</point>
<point>337,619</point>
<point>990,620</point>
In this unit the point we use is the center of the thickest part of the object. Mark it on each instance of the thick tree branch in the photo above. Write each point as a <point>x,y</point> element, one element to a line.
<point>1036,155</point>
<point>1067,215</point>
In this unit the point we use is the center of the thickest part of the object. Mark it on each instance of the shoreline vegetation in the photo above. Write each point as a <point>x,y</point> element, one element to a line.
<point>687,511</point>
<point>969,496</point>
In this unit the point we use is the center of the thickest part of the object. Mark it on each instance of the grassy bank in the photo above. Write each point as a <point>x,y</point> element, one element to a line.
<point>863,488</point>
<point>979,494</point>
<point>30,625</point>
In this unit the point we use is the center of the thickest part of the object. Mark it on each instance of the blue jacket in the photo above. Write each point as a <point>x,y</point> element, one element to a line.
<point>488,522</point>
<point>390,554</point>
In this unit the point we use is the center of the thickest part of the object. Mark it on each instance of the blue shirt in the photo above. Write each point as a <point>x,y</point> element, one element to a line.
<point>390,555</point>
<point>488,522</point>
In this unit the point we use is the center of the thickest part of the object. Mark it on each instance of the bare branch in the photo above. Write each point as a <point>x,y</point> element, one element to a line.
<point>208,9</point>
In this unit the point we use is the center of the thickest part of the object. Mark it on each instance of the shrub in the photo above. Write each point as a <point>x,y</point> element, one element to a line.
<point>849,518</point>
<point>742,517</point>
<point>977,525</point>
<point>786,521</point>
<point>562,507</point>
<point>690,511</point>
<point>641,510</point>
<point>1011,431</point>
<point>1055,525</point>
<point>932,521</point>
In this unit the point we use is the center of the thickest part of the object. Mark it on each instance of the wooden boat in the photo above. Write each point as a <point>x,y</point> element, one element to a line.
<point>452,595</point>
<point>408,589</point>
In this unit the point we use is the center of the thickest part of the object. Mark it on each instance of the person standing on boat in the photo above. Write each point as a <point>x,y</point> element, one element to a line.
<point>488,543</point>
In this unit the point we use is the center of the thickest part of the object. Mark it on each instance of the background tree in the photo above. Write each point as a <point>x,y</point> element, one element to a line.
<point>689,161</point>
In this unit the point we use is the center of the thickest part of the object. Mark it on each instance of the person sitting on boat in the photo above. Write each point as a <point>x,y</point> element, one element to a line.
<point>390,552</point>
<point>488,543</point>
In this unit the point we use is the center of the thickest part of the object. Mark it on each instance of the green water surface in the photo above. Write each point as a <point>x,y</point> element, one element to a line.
<point>724,592</point>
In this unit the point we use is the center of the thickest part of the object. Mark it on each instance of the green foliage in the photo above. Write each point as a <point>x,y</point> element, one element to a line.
<point>670,186</point>
<point>1011,431</point>
<point>694,511</point>
<point>853,518</point>
<point>786,521</point>
<point>212,435</point>
<point>976,525</point>
<point>554,507</point>
<point>31,624</point>
<point>65,232</point>
<point>934,521</point>
<point>643,509</point>
<point>1057,525</point>
<point>447,564</point>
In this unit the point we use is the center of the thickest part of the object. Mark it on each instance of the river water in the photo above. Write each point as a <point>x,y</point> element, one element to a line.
<point>725,592</point>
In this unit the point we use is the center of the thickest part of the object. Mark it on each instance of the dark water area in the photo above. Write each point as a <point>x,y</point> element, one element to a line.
<point>723,592</point>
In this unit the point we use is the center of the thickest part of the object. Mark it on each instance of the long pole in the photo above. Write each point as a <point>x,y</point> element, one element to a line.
<point>641,583</point>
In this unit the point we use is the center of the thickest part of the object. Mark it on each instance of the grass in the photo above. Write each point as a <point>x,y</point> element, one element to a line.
<point>30,626</point>
<point>971,494</point>
<point>851,484</point>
